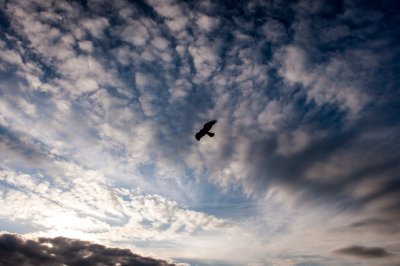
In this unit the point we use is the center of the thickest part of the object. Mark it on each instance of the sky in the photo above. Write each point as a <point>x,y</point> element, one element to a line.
<point>100,102</point>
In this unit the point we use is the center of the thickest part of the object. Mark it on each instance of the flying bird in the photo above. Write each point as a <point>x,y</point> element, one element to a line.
<point>206,130</point>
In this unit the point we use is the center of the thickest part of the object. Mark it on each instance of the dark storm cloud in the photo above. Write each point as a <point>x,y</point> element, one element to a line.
<point>15,250</point>
<point>364,252</point>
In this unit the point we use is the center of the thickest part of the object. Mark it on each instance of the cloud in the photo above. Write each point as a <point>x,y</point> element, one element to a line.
<point>364,252</point>
<point>174,12</point>
<point>384,226</point>
<point>206,23</point>
<point>100,102</point>
<point>95,26</point>
<point>311,129</point>
<point>15,250</point>
<point>81,200</point>
<point>135,33</point>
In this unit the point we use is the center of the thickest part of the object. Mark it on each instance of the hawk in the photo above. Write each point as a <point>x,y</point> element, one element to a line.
<point>206,130</point>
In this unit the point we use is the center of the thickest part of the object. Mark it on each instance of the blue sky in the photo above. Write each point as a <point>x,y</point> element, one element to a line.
<point>100,102</point>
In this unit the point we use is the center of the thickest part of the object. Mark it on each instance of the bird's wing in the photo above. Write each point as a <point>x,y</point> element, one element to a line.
<point>209,125</point>
<point>199,135</point>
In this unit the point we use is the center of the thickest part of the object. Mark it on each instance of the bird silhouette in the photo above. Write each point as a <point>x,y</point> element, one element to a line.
<point>206,130</point>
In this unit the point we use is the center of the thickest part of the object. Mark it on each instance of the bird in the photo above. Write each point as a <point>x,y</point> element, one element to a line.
<point>206,130</point>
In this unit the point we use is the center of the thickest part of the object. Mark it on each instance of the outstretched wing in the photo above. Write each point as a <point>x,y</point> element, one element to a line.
<point>208,125</point>
<point>199,135</point>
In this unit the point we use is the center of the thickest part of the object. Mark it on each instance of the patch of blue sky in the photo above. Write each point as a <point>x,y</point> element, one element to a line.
<point>19,227</point>
<point>228,204</point>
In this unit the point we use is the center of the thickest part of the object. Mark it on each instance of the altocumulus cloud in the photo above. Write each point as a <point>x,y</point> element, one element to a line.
<point>100,100</point>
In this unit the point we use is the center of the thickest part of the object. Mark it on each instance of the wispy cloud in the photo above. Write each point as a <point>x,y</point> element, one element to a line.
<point>100,102</point>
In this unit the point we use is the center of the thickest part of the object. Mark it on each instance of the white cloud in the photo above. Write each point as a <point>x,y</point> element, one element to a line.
<point>135,33</point>
<point>274,31</point>
<point>168,9</point>
<point>206,23</point>
<point>87,85</point>
<point>271,117</point>
<point>293,142</point>
<point>294,67</point>
<point>123,116</point>
<point>96,26</point>
<point>322,82</point>
<point>205,60</point>
<point>175,13</point>
<point>177,24</point>
<point>160,43</point>
<point>9,56</point>
<point>84,203</point>
<point>179,89</point>
<point>86,46</point>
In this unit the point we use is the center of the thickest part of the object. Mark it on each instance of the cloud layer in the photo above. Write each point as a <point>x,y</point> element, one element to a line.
<point>100,102</point>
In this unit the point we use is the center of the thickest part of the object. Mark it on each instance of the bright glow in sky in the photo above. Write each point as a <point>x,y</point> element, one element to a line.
<point>100,101</point>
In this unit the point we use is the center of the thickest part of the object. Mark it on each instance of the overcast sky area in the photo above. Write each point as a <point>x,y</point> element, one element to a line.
<point>100,101</point>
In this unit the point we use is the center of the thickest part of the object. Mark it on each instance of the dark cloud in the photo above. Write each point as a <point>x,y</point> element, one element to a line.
<point>15,250</point>
<point>364,252</point>
<point>349,142</point>
<point>18,145</point>
<point>308,264</point>
<point>310,169</point>
<point>381,225</point>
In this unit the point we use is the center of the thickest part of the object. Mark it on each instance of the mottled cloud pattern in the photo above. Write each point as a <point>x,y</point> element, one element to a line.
<point>100,102</point>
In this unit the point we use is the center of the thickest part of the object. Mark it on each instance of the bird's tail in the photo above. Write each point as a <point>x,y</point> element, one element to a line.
<point>210,134</point>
